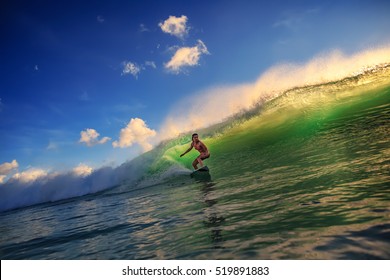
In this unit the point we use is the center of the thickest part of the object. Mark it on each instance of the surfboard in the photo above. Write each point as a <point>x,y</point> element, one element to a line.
<point>203,169</point>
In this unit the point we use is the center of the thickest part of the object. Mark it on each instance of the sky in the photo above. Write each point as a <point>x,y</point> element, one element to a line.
<point>86,84</point>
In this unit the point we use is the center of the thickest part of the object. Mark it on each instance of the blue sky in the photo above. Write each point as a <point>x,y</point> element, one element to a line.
<point>93,82</point>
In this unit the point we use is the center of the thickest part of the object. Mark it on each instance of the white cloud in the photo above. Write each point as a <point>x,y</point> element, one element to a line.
<point>90,137</point>
<point>2,179</point>
<point>30,175</point>
<point>151,64</point>
<point>82,170</point>
<point>7,167</point>
<point>136,131</point>
<point>100,19</point>
<point>52,146</point>
<point>176,26</point>
<point>294,19</point>
<point>84,96</point>
<point>131,68</point>
<point>143,28</point>
<point>186,56</point>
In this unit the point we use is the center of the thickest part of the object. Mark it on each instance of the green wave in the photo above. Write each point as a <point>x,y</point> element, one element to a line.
<point>271,133</point>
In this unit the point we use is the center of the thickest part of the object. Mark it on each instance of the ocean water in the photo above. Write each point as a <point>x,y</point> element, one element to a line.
<point>304,176</point>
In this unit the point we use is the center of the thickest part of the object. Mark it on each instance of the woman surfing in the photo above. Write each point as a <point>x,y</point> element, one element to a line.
<point>201,148</point>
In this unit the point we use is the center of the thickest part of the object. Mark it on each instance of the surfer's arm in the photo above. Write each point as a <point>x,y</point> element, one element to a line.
<point>189,149</point>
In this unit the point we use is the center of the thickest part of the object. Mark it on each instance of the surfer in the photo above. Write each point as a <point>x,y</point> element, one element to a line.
<point>201,148</point>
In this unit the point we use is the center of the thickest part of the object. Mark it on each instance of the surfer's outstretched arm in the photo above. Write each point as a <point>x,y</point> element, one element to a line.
<point>189,149</point>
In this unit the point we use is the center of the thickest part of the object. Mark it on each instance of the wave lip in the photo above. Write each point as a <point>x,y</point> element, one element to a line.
<point>216,104</point>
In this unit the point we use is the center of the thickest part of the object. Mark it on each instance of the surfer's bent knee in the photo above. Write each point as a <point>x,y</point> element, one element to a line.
<point>204,156</point>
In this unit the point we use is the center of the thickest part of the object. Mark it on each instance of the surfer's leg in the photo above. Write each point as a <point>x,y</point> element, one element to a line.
<point>200,161</point>
<point>195,164</point>
<point>201,157</point>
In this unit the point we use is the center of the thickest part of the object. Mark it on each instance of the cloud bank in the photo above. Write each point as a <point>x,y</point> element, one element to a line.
<point>29,175</point>
<point>25,177</point>
<point>82,170</point>
<point>6,169</point>
<point>37,186</point>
